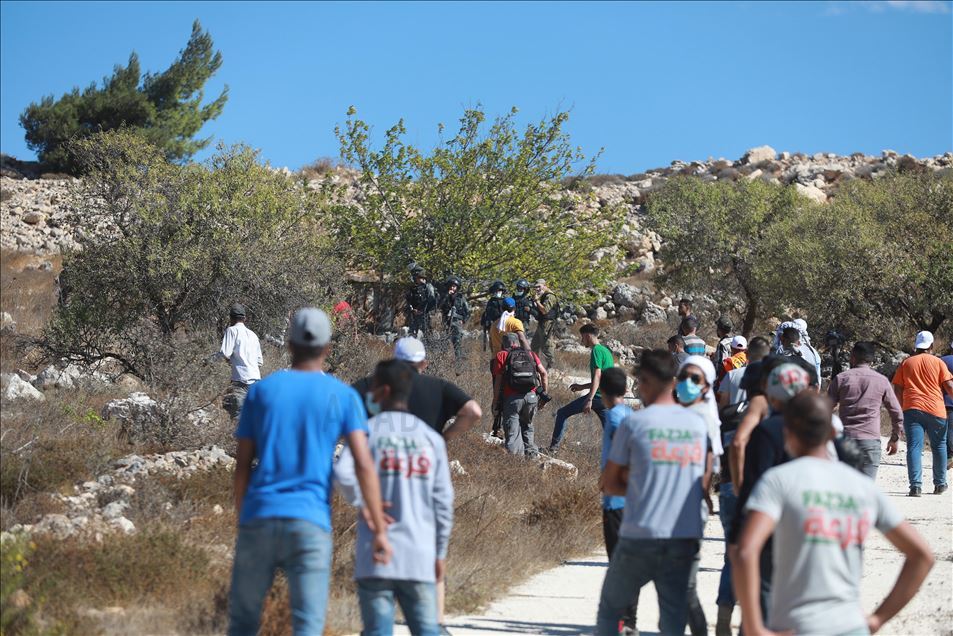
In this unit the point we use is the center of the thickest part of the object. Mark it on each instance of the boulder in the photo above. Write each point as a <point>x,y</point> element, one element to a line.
<point>652,314</point>
<point>757,155</point>
<point>138,407</point>
<point>625,295</point>
<point>811,192</point>
<point>600,314</point>
<point>66,378</point>
<point>15,388</point>
<point>7,323</point>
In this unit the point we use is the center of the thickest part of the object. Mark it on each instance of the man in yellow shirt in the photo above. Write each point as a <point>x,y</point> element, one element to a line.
<point>508,323</point>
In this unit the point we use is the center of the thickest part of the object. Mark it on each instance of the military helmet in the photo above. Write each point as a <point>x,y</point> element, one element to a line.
<point>453,280</point>
<point>522,285</point>
<point>496,286</point>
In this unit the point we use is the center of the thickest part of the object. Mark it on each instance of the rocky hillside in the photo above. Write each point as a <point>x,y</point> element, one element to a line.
<point>34,215</point>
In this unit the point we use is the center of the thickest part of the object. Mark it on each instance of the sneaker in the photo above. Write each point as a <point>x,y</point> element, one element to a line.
<point>552,451</point>
<point>444,631</point>
<point>914,491</point>
<point>939,490</point>
<point>628,631</point>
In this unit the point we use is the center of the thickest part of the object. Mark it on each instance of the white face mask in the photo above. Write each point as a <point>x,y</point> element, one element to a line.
<point>499,294</point>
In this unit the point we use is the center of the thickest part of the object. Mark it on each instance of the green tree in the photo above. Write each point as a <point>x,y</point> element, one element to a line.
<point>176,246</point>
<point>713,239</point>
<point>877,262</point>
<point>485,203</point>
<point>165,108</point>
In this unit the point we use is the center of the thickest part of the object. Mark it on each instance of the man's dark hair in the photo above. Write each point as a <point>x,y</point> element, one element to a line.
<point>686,302</point>
<point>758,348</point>
<point>590,329</point>
<point>808,416</point>
<point>864,352</point>
<point>396,374</point>
<point>790,335</point>
<point>724,323</point>
<point>659,364</point>
<point>688,324</point>
<point>301,354</point>
<point>613,382</point>
<point>676,340</point>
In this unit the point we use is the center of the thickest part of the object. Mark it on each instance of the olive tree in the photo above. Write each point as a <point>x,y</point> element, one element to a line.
<point>170,247</point>
<point>877,262</point>
<point>713,239</point>
<point>485,203</point>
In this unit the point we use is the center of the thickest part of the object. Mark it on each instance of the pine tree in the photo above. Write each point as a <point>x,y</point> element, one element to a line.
<point>165,108</point>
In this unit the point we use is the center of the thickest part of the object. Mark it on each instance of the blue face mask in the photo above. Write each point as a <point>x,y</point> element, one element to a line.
<point>687,391</point>
<point>373,408</point>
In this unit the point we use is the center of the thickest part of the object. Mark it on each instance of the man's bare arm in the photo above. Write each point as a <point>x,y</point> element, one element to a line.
<point>614,478</point>
<point>243,461</point>
<point>757,410</point>
<point>746,569</point>
<point>468,415</point>
<point>919,560</point>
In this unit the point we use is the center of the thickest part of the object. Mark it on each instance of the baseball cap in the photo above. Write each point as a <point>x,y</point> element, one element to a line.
<point>509,302</point>
<point>310,327</point>
<point>410,350</point>
<point>541,282</point>
<point>785,381</point>
<point>237,311</point>
<point>739,342</point>
<point>924,340</point>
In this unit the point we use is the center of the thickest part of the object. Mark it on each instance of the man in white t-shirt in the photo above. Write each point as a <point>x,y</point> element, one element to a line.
<point>820,512</point>
<point>241,349</point>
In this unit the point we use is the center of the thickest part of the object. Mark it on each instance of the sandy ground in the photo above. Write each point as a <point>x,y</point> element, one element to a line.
<point>563,601</point>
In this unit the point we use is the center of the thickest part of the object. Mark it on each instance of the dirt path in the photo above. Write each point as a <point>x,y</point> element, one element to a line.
<point>563,601</point>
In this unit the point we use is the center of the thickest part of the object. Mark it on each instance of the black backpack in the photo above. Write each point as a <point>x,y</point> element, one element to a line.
<point>520,370</point>
<point>493,311</point>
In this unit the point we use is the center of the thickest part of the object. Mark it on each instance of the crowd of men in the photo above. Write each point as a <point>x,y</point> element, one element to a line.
<point>795,480</point>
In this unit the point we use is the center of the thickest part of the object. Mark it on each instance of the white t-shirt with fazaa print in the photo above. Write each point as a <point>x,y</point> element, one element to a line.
<point>824,511</point>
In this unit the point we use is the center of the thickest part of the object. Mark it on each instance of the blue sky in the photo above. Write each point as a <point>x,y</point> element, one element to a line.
<point>648,82</point>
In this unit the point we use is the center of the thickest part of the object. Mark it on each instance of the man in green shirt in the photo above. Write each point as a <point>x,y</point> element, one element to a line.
<point>599,359</point>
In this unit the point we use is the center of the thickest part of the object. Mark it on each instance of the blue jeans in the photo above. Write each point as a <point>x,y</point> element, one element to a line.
<point>575,408</point>
<point>915,422</point>
<point>949,431</point>
<point>636,562</point>
<point>418,602</point>
<point>727,509</point>
<point>300,548</point>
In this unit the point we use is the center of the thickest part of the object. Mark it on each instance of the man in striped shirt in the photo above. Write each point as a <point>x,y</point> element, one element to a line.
<point>694,346</point>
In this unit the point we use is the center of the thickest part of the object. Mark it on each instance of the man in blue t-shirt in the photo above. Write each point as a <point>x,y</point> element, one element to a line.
<point>290,423</point>
<point>660,460</point>
<point>613,386</point>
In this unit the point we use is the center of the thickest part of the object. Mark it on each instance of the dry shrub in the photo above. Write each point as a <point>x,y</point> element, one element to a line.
<point>28,289</point>
<point>70,574</point>
<point>318,168</point>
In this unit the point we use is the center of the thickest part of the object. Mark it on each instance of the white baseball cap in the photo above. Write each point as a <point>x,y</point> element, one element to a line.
<point>410,350</point>
<point>739,342</point>
<point>924,340</point>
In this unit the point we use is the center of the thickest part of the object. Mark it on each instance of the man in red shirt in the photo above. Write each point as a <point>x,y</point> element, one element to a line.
<point>919,383</point>
<point>519,380</point>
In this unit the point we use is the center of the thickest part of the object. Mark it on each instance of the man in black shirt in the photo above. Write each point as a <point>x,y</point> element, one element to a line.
<point>765,449</point>
<point>432,399</point>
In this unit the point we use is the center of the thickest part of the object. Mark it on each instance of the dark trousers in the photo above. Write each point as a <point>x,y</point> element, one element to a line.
<point>611,521</point>
<point>575,408</point>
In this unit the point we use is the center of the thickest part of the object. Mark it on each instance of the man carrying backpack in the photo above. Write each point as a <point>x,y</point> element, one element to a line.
<point>421,301</point>
<point>519,388</point>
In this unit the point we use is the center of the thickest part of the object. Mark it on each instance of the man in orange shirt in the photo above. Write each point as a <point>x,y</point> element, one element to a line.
<point>919,383</point>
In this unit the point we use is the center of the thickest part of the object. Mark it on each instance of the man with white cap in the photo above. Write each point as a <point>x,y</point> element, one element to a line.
<point>434,400</point>
<point>242,350</point>
<point>920,382</point>
<point>290,424</point>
